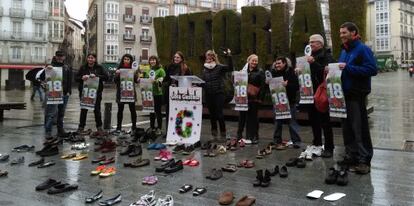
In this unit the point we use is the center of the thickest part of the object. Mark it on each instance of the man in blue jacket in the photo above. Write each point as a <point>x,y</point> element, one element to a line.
<point>357,63</point>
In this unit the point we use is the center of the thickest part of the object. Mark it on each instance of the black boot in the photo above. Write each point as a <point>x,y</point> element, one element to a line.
<point>266,179</point>
<point>259,178</point>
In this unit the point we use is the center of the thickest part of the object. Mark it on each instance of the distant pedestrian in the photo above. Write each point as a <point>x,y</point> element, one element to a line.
<point>37,87</point>
<point>358,65</point>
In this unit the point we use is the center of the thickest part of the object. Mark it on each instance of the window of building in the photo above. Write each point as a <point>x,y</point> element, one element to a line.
<point>111,52</point>
<point>38,53</point>
<point>128,10</point>
<point>128,31</point>
<point>144,55</point>
<point>180,9</point>
<point>128,50</point>
<point>112,28</point>
<point>38,5</point>
<point>111,11</point>
<point>18,4</point>
<point>382,44</point>
<point>145,32</point>
<point>16,52</point>
<point>38,30</point>
<point>162,12</point>
<point>145,11</point>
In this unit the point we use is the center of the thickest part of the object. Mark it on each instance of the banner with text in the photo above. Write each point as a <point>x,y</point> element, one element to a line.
<point>89,93</point>
<point>279,98</point>
<point>305,81</point>
<point>240,90</point>
<point>54,79</point>
<point>127,85</point>
<point>145,86</point>
<point>337,107</point>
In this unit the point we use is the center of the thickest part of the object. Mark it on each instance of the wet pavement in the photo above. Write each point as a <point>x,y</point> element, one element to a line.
<point>389,183</point>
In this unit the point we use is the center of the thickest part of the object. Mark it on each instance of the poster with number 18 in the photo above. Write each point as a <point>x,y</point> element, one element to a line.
<point>54,92</point>
<point>89,93</point>
<point>147,95</point>
<point>240,90</point>
<point>279,98</point>
<point>305,81</point>
<point>127,85</point>
<point>337,107</point>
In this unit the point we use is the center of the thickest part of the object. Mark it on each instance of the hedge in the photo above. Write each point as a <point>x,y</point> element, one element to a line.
<point>280,29</point>
<point>166,37</point>
<point>226,31</point>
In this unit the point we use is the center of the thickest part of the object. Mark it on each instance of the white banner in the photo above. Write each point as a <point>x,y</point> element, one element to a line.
<point>54,86</point>
<point>279,98</point>
<point>147,95</point>
<point>127,85</point>
<point>185,115</point>
<point>89,93</point>
<point>337,107</point>
<point>305,81</point>
<point>240,90</point>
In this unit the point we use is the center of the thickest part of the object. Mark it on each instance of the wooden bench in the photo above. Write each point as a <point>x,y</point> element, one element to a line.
<point>9,106</point>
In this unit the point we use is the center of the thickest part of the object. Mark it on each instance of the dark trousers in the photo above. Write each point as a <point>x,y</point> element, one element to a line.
<point>357,138</point>
<point>249,119</point>
<point>293,127</point>
<point>321,121</point>
<point>120,114</point>
<point>157,112</point>
<point>215,103</point>
<point>37,89</point>
<point>96,111</point>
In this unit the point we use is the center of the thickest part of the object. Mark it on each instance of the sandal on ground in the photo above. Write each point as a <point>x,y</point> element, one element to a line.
<point>185,188</point>
<point>199,191</point>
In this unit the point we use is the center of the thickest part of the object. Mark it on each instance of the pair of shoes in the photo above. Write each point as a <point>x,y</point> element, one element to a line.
<point>139,162</point>
<point>211,151</point>
<point>170,166</point>
<point>246,164</point>
<point>246,200</point>
<point>112,201</point>
<point>17,161</point>
<point>150,180</point>
<point>226,198</point>
<point>80,146</point>
<point>187,150</point>
<point>280,146</point>
<point>178,148</point>
<point>164,155</point>
<point>47,184</point>
<point>232,145</point>
<point>68,156</point>
<point>361,169</point>
<point>23,148</point>
<point>81,156</point>
<point>109,171</point>
<point>156,146</point>
<point>46,164</point>
<point>246,141</point>
<point>4,157</point>
<point>3,173</point>
<point>106,146</point>
<point>94,198</point>
<point>147,199</point>
<point>229,168</point>
<point>107,161</point>
<point>48,150</point>
<point>63,187</point>
<point>296,162</point>
<point>191,162</point>
<point>99,159</point>
<point>37,162</point>
<point>215,174</point>
<point>132,150</point>
<point>340,177</point>
<point>262,178</point>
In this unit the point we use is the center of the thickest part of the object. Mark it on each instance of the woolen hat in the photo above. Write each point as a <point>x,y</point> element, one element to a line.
<point>317,37</point>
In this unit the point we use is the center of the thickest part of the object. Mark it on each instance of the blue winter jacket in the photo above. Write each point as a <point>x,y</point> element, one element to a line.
<point>360,66</point>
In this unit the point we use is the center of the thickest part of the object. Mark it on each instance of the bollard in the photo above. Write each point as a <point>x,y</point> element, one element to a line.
<point>107,116</point>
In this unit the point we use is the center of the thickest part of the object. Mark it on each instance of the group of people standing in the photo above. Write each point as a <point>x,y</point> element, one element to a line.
<point>356,62</point>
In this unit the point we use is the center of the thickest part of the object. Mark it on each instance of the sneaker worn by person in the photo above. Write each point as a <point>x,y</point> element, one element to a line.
<point>327,154</point>
<point>317,150</point>
<point>361,169</point>
<point>280,146</point>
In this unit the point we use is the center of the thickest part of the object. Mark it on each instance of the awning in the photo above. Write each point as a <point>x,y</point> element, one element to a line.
<point>23,67</point>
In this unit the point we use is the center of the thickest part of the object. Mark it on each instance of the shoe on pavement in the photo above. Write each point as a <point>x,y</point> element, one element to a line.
<point>47,184</point>
<point>112,201</point>
<point>94,198</point>
<point>226,198</point>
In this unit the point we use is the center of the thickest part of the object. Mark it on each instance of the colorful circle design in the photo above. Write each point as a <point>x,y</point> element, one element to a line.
<point>186,132</point>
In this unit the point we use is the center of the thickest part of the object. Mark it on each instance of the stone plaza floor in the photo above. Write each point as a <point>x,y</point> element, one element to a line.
<point>389,183</point>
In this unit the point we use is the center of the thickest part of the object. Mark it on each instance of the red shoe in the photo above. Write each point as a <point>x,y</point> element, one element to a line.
<point>193,163</point>
<point>242,143</point>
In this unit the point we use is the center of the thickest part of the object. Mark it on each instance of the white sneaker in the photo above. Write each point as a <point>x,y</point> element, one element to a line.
<point>247,141</point>
<point>317,150</point>
<point>302,155</point>
<point>290,143</point>
<point>168,201</point>
<point>146,200</point>
<point>309,153</point>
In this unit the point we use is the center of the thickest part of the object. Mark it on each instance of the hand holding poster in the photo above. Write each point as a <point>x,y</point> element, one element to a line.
<point>185,115</point>
<point>147,95</point>
<point>305,81</point>
<point>279,98</point>
<point>127,85</point>
<point>337,107</point>
<point>240,90</point>
<point>54,85</point>
<point>89,93</point>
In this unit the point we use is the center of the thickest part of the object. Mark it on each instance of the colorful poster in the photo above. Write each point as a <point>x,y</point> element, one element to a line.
<point>127,85</point>
<point>240,90</point>
<point>185,115</point>
<point>279,98</point>
<point>147,95</point>
<point>54,88</point>
<point>337,107</point>
<point>89,93</point>
<point>305,81</point>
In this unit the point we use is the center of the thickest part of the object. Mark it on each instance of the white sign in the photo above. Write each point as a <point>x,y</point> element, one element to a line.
<point>305,81</point>
<point>54,92</point>
<point>89,93</point>
<point>147,95</point>
<point>337,107</point>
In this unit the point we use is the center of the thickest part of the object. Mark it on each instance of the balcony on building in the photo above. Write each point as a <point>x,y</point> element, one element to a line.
<point>1,11</point>
<point>229,6</point>
<point>17,13</point>
<point>22,36</point>
<point>206,4</point>
<point>129,18</point>
<point>39,59</point>
<point>180,1</point>
<point>145,39</point>
<point>216,6</point>
<point>162,2</point>
<point>129,37</point>
<point>192,3</point>
<point>16,58</point>
<point>56,39</point>
<point>146,19</point>
<point>39,14</point>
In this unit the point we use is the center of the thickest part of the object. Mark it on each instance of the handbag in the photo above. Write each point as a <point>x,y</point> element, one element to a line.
<point>321,98</point>
<point>252,90</point>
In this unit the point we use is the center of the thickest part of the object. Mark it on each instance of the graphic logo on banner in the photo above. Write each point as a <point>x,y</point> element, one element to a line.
<point>279,98</point>
<point>127,85</point>
<point>240,90</point>
<point>54,85</point>
<point>152,74</point>
<point>135,65</point>
<point>184,122</point>
<point>89,93</point>
<point>305,81</point>
<point>147,95</point>
<point>337,107</point>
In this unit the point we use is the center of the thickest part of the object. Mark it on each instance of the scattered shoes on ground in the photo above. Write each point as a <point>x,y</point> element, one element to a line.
<point>150,180</point>
<point>185,188</point>
<point>199,191</point>
<point>339,177</point>
<point>246,200</point>
<point>4,157</point>
<point>46,164</point>
<point>226,198</point>
<point>60,188</point>
<point>215,174</point>
<point>95,197</point>
<point>229,168</point>
<point>24,148</point>
<point>17,161</point>
<point>246,164</point>
<point>115,200</point>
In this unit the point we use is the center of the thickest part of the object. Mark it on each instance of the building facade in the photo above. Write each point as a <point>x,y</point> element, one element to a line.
<point>126,27</point>
<point>390,27</point>
<point>32,31</point>
<point>73,43</point>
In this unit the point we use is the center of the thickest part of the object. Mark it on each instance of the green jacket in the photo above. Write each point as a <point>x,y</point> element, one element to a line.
<point>158,77</point>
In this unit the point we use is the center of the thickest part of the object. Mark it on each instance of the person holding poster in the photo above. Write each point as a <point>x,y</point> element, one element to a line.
<point>178,67</point>
<point>92,70</point>
<point>249,118</point>
<point>280,68</point>
<point>213,73</point>
<point>58,110</point>
<point>358,65</point>
<point>156,74</point>
<point>126,87</point>
<point>320,57</point>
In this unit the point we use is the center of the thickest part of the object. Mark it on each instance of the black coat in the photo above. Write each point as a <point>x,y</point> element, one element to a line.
<point>98,70</point>
<point>292,87</point>
<point>172,70</point>
<point>214,82</point>
<point>322,58</point>
<point>257,78</point>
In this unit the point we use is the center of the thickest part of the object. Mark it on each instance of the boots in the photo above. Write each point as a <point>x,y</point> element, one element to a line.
<point>259,178</point>
<point>266,179</point>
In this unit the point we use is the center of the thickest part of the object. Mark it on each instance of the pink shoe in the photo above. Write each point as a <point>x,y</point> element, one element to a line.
<point>242,143</point>
<point>160,155</point>
<point>166,156</point>
<point>150,180</point>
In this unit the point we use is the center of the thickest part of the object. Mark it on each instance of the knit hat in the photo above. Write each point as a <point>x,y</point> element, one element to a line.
<point>317,37</point>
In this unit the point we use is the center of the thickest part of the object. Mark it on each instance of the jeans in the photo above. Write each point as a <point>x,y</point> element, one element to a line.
<point>249,119</point>
<point>293,127</point>
<point>321,121</point>
<point>120,114</point>
<point>53,110</point>
<point>157,112</point>
<point>96,111</point>
<point>37,89</point>
<point>357,138</point>
<point>215,104</point>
